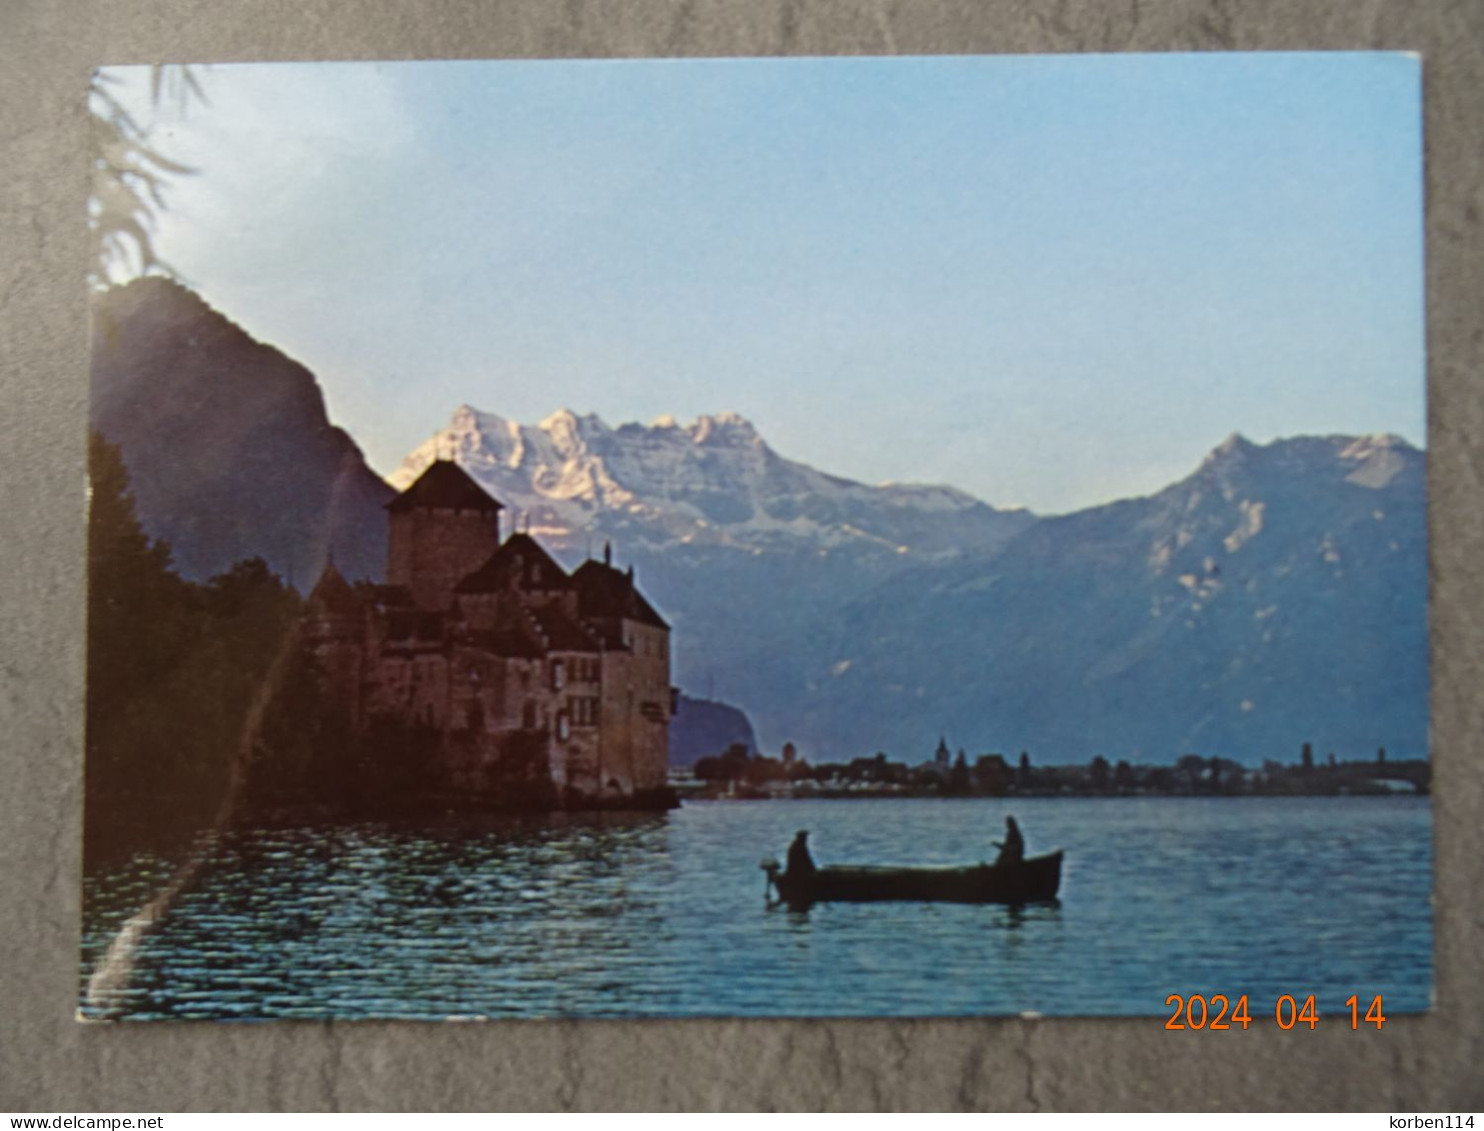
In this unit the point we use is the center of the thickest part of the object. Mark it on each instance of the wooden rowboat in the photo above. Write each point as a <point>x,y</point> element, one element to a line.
<point>1032,880</point>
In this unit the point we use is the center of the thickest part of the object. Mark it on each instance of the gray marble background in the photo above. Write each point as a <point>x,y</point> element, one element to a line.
<point>50,1063</point>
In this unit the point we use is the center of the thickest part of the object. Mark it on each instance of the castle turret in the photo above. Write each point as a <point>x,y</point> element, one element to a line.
<point>335,630</point>
<point>442,528</point>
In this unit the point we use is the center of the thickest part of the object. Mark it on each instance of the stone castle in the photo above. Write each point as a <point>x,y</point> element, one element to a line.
<point>523,685</point>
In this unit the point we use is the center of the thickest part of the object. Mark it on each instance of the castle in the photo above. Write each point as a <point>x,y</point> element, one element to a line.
<point>524,684</point>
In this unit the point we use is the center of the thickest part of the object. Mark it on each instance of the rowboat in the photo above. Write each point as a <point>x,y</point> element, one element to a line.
<point>1034,879</point>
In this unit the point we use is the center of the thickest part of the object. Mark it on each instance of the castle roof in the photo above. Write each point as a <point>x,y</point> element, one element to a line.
<point>333,594</point>
<point>445,485</point>
<point>520,559</point>
<point>603,591</point>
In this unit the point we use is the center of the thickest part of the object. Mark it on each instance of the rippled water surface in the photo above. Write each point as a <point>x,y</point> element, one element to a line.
<point>664,915</point>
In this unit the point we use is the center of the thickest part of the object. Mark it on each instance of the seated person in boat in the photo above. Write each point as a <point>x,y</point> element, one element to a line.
<point>1012,848</point>
<point>800,863</point>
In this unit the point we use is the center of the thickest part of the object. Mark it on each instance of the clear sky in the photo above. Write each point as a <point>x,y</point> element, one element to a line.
<point>1050,281</point>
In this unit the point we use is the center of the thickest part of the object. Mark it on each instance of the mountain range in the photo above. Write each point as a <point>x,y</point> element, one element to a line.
<point>1276,595</point>
<point>714,482</point>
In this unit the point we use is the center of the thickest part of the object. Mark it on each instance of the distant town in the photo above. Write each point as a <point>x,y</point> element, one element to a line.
<point>741,774</point>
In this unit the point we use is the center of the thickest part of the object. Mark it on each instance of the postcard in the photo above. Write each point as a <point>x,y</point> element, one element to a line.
<point>888,537</point>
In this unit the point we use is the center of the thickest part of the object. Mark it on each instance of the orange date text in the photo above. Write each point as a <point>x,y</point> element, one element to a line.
<point>1220,1011</point>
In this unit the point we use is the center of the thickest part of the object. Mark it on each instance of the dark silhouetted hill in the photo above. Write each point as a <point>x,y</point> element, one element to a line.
<point>702,728</point>
<point>229,449</point>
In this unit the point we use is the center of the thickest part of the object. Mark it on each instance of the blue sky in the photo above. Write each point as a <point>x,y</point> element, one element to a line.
<point>1050,281</point>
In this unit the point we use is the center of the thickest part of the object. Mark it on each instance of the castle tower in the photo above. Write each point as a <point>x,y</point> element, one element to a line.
<point>442,528</point>
<point>637,701</point>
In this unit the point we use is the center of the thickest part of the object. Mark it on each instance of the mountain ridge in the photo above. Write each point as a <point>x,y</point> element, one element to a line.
<point>230,450</point>
<point>716,480</point>
<point>1275,595</point>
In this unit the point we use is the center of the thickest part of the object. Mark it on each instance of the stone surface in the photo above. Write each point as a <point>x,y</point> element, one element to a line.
<point>49,1063</point>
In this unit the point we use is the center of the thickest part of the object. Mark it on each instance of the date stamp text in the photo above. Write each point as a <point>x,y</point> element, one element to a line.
<point>1219,1011</point>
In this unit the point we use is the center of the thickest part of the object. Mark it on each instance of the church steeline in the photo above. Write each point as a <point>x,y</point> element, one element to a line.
<point>527,686</point>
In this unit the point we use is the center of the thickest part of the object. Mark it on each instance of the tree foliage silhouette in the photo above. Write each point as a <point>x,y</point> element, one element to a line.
<point>1098,771</point>
<point>172,668</point>
<point>130,174</point>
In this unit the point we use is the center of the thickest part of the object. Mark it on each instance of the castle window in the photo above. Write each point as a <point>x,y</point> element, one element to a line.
<point>585,712</point>
<point>558,674</point>
<point>564,727</point>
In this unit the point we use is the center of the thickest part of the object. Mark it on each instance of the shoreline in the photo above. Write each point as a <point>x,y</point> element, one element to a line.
<point>928,795</point>
<point>1349,789</point>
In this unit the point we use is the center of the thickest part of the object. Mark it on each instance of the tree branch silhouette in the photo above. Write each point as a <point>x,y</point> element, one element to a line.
<point>130,175</point>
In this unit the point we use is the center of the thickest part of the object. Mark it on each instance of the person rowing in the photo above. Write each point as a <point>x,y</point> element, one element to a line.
<point>800,863</point>
<point>800,871</point>
<point>1012,848</point>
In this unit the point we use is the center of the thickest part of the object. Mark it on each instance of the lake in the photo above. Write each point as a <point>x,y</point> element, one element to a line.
<point>663,915</point>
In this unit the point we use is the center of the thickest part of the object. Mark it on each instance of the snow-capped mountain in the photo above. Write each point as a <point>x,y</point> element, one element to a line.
<point>1277,595</point>
<point>714,482</point>
<point>735,544</point>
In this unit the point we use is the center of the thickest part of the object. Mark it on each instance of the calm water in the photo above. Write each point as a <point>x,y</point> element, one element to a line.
<point>664,915</point>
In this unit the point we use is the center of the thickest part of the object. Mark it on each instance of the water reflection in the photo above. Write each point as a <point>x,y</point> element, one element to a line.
<point>624,915</point>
